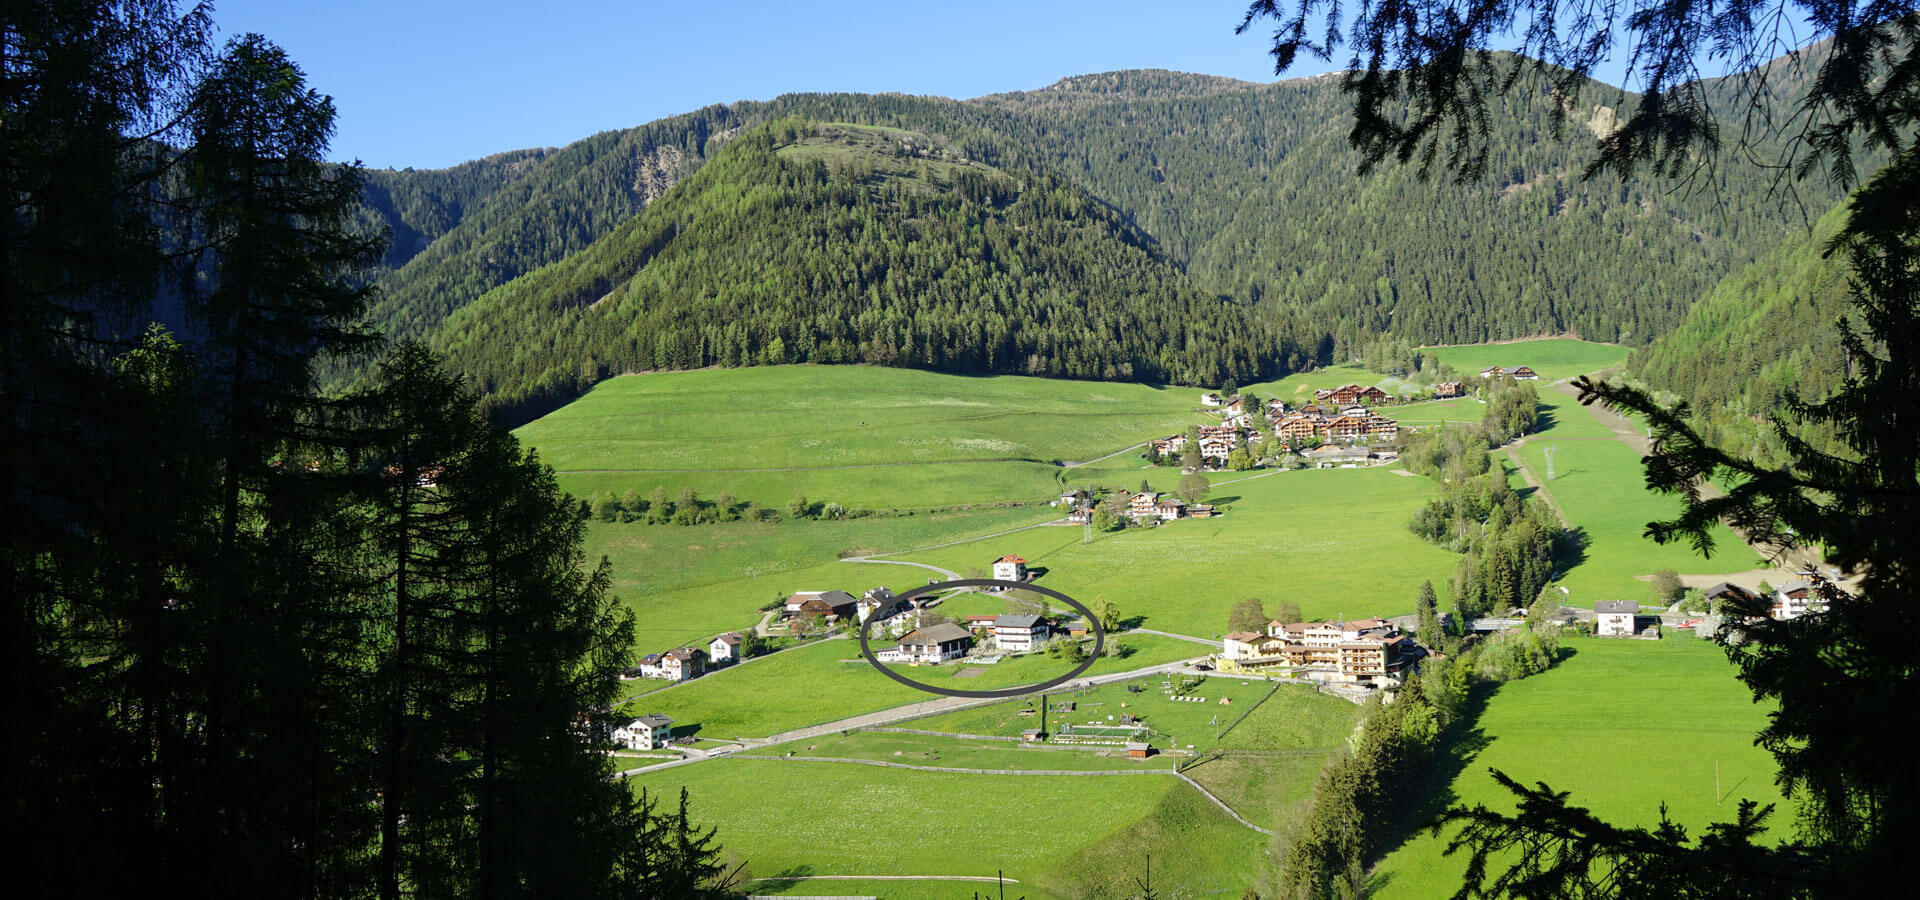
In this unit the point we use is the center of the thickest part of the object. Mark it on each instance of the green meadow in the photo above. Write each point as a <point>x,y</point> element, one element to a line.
<point>1334,541</point>
<point>1553,358</point>
<point>964,753</point>
<point>1598,482</point>
<point>1625,726</point>
<point>688,583</point>
<point>1299,387</point>
<point>860,436</point>
<point>1061,836</point>
<point>830,680</point>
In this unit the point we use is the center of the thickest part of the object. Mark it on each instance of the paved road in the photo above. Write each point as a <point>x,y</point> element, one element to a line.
<point>1087,462</point>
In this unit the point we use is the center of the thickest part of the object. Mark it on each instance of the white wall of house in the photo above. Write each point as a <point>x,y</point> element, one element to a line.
<point>1614,625</point>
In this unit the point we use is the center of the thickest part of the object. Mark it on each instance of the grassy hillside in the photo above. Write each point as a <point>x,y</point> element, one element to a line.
<point>1626,726</point>
<point>860,436</point>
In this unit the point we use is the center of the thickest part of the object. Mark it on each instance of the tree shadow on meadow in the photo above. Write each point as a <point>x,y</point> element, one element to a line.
<point>787,879</point>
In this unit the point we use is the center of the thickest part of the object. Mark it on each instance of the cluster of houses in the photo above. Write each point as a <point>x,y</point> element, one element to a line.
<point>683,663</point>
<point>1619,618</point>
<point>1369,652</point>
<point>1517,373</point>
<point>945,640</point>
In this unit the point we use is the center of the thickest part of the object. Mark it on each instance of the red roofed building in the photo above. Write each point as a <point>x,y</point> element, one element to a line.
<point>1010,568</point>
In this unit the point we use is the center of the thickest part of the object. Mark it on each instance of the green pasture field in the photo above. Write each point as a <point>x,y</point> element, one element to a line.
<point>688,583</point>
<point>1562,418</point>
<point>1334,541</point>
<point>1180,722</point>
<point>896,890</point>
<point>1624,725</point>
<point>860,436</point>
<point>1064,836</point>
<point>1598,484</point>
<point>1460,410</point>
<point>964,753</point>
<point>829,680</point>
<point>1553,358</point>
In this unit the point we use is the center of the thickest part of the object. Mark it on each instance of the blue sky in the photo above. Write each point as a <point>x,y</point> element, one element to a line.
<point>430,84</point>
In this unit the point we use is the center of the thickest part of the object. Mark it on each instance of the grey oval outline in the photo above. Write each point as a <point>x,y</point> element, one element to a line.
<point>1093,622</point>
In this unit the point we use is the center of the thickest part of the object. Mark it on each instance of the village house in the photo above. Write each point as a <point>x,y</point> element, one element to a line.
<point>1200,511</point>
<point>1219,431</point>
<point>1346,428</point>
<point>724,649</point>
<point>930,644</point>
<point>1344,396</point>
<point>1018,632</point>
<point>1169,508</point>
<point>1209,399</point>
<point>652,731</point>
<point>875,601</point>
<point>1081,515</point>
<point>1448,389</point>
<point>981,625</point>
<point>1237,408</point>
<point>1299,427</point>
<point>1322,394</point>
<point>1356,410</point>
<point>1313,409</point>
<point>1276,408</point>
<point>1373,395</point>
<point>678,664</point>
<point>1216,448</point>
<point>829,605</point>
<point>1732,597</point>
<point>1795,599</point>
<point>1143,505</point>
<point>1493,372</point>
<point>1522,373</point>
<point>1010,568</point>
<point>1170,445</point>
<point>1381,426</point>
<point>1336,457</point>
<point>1614,618</point>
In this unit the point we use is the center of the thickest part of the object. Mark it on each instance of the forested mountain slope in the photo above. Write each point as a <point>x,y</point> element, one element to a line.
<point>806,242</point>
<point>1762,331</point>
<point>1250,188</point>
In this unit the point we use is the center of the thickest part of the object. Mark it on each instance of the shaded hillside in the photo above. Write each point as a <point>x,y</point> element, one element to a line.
<point>831,243</point>
<point>1762,331</point>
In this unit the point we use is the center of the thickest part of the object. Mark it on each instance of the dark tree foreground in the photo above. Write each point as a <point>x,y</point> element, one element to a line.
<point>263,640</point>
<point>1843,682</point>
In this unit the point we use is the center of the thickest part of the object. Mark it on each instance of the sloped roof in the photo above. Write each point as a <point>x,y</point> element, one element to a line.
<point>936,634</point>
<point>1616,606</point>
<point>1016,621</point>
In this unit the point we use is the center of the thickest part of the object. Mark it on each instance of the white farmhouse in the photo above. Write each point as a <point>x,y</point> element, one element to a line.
<point>1010,568</point>
<point>649,732</point>
<point>1018,632</point>
<point>1615,618</point>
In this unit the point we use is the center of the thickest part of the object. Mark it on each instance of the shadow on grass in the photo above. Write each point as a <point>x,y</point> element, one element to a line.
<point>1222,501</point>
<point>787,879</point>
<point>1544,422</point>
<point>1571,550</point>
<point>680,731</point>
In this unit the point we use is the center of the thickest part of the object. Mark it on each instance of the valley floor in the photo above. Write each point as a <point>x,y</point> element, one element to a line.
<point>808,761</point>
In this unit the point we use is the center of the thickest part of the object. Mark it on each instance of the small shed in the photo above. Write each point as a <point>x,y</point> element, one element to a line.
<point>1139,750</point>
<point>1032,735</point>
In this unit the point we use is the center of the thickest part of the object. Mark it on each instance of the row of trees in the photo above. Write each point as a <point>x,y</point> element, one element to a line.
<point>264,640</point>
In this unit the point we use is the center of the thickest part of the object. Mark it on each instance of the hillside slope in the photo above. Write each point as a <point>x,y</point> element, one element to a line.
<point>832,243</point>
<point>1761,332</point>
